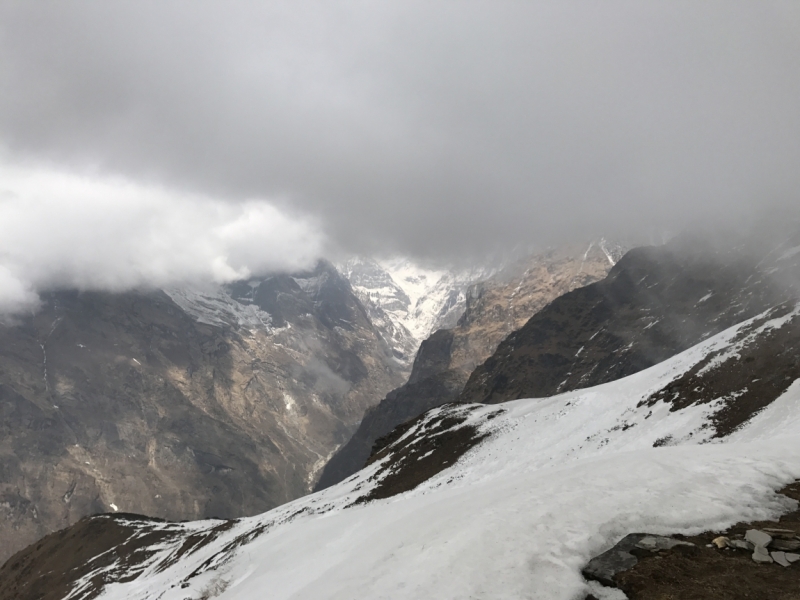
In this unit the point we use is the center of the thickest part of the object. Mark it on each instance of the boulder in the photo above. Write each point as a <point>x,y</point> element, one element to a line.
<point>757,538</point>
<point>780,558</point>
<point>602,568</point>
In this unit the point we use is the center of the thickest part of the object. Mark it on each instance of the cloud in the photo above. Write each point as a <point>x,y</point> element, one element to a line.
<point>63,230</point>
<point>433,129</point>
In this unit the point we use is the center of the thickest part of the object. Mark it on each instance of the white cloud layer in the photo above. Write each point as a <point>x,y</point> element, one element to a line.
<point>63,230</point>
<point>438,129</point>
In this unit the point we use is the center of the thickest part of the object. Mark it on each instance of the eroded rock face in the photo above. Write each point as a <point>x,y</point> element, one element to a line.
<point>656,302</point>
<point>494,309</point>
<point>215,407</point>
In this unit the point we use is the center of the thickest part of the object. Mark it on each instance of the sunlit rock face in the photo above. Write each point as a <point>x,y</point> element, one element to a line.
<point>183,403</point>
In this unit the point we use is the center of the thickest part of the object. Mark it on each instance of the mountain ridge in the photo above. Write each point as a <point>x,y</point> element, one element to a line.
<point>551,483</point>
<point>493,309</point>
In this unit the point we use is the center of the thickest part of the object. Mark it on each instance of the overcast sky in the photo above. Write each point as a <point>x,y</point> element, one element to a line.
<point>434,129</point>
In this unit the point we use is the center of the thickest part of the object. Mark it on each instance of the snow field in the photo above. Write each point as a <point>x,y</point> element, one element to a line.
<point>560,480</point>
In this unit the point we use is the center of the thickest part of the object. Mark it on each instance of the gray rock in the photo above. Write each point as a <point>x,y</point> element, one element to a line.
<point>757,538</point>
<point>602,568</point>
<point>780,558</point>
<point>741,545</point>
<point>785,545</point>
<point>791,557</point>
<point>786,534</point>
<point>760,555</point>
<point>657,542</point>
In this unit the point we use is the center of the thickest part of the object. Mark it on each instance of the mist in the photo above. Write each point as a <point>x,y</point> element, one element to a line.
<point>60,230</point>
<point>442,131</point>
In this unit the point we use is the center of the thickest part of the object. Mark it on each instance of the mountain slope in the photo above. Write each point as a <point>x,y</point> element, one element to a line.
<point>548,484</point>
<point>224,404</point>
<point>407,302</point>
<point>654,303</point>
<point>494,308</point>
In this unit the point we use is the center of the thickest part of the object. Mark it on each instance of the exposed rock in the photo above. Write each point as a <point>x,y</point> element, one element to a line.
<point>761,555</point>
<point>741,545</point>
<point>707,572</point>
<point>783,534</point>
<point>602,568</point>
<point>780,558</point>
<point>721,542</point>
<point>420,449</point>
<point>654,303</point>
<point>758,538</point>
<point>785,545</point>
<point>760,541</point>
<point>618,559</point>
<point>657,542</point>
<point>406,302</point>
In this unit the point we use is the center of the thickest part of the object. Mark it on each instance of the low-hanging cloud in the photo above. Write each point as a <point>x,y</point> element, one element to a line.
<point>437,129</point>
<point>62,230</point>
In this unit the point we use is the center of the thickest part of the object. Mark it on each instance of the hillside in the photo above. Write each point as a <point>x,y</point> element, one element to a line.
<point>502,501</point>
<point>655,302</point>
<point>494,308</point>
<point>187,405</point>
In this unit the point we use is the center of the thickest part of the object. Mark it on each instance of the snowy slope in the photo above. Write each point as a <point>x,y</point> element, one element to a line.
<point>216,306</point>
<point>555,482</point>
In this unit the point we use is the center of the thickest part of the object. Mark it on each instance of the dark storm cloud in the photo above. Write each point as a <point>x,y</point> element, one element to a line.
<point>436,129</point>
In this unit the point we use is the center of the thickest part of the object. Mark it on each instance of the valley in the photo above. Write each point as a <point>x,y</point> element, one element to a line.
<point>584,363</point>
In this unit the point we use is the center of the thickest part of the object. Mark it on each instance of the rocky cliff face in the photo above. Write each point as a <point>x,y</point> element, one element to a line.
<point>180,405</point>
<point>656,302</point>
<point>493,309</point>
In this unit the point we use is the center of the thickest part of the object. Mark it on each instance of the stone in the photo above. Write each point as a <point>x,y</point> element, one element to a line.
<point>786,534</point>
<point>780,558</point>
<point>757,538</point>
<point>785,545</point>
<point>721,542</point>
<point>741,545</point>
<point>791,557</point>
<point>602,568</point>
<point>760,555</point>
<point>657,542</point>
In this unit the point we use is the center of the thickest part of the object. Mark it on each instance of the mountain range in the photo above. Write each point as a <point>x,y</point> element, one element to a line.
<point>583,394</point>
<point>511,498</point>
<point>189,402</point>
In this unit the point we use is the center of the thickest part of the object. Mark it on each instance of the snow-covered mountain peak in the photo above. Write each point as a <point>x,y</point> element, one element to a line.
<point>407,301</point>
